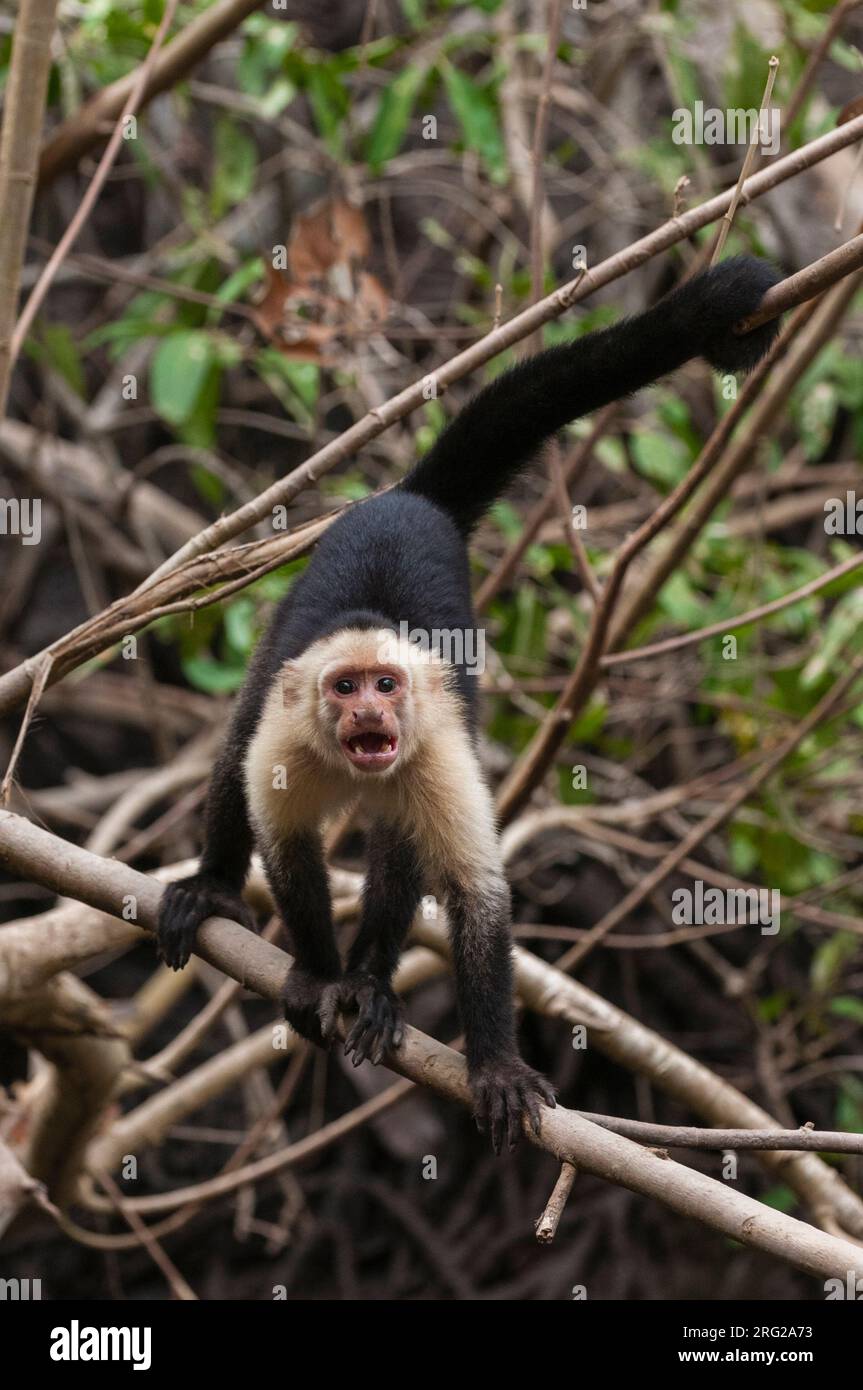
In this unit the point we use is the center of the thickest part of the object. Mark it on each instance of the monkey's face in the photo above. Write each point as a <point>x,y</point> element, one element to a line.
<point>367,708</point>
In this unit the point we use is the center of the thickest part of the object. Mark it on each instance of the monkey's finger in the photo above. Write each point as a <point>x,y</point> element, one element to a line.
<point>363,1043</point>
<point>531,1105</point>
<point>514,1112</point>
<point>381,1033</point>
<point>356,1033</point>
<point>188,914</point>
<point>172,947</point>
<point>390,1033</point>
<point>383,1028</point>
<point>498,1119</point>
<point>547,1091</point>
<point>328,1012</point>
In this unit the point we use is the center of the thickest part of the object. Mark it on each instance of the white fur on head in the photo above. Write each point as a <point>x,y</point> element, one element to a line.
<point>426,679</point>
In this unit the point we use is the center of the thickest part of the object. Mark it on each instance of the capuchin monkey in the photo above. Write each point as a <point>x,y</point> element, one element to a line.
<point>338,710</point>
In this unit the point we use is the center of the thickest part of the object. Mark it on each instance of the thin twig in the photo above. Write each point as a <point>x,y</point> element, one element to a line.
<point>728,219</point>
<point>691,1137</point>
<point>548,1223</point>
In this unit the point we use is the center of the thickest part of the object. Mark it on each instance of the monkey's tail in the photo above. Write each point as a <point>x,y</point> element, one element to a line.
<point>497,433</point>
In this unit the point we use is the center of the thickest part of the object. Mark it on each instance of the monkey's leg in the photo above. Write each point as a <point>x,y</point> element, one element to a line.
<point>298,878</point>
<point>391,895</point>
<point>216,889</point>
<point>505,1089</point>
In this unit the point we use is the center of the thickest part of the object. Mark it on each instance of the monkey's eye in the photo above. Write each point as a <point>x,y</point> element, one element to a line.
<point>386,685</point>
<point>345,686</point>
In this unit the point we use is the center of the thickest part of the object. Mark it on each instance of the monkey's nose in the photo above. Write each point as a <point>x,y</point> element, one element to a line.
<point>370,715</point>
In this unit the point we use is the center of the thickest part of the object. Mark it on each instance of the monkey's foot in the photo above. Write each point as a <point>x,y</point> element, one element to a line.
<point>505,1093</point>
<point>304,997</point>
<point>379,1024</point>
<point>185,905</point>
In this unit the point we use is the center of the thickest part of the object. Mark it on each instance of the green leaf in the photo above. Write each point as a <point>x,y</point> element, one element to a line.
<point>240,630</point>
<point>296,384</point>
<point>414,12</point>
<point>329,99</point>
<point>840,632</point>
<point>849,1105</point>
<point>748,70</point>
<point>213,677</point>
<point>56,346</point>
<point>393,117</point>
<point>830,959</point>
<point>846,1006</point>
<point>476,112</point>
<point>780,1198</point>
<point>659,457</point>
<point>259,70</point>
<point>199,429</point>
<point>178,374</point>
<point>211,488</point>
<point>235,162</point>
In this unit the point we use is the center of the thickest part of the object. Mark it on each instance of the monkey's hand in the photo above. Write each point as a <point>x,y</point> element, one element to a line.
<point>505,1093</point>
<point>379,1024</point>
<point>185,905</point>
<point>306,1002</point>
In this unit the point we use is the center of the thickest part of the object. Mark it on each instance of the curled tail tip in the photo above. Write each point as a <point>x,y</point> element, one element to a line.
<point>728,292</point>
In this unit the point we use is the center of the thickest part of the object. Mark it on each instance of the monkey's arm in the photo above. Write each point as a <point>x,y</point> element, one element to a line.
<point>215,890</point>
<point>504,1088</point>
<point>297,877</point>
<point>391,895</point>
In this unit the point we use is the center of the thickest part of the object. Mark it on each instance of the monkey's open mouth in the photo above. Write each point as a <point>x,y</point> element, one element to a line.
<point>372,751</point>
